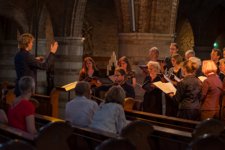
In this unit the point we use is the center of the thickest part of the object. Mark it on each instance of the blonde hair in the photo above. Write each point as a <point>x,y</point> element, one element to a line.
<point>24,40</point>
<point>209,66</point>
<point>155,65</point>
<point>196,60</point>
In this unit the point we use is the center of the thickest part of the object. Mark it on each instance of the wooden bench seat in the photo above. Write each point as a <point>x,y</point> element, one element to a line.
<point>87,138</point>
<point>161,120</point>
<point>47,137</point>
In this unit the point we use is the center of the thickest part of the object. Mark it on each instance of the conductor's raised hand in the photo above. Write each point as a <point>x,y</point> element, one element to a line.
<point>54,47</point>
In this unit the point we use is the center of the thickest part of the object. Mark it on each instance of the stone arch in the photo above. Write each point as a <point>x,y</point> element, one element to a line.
<point>184,36</point>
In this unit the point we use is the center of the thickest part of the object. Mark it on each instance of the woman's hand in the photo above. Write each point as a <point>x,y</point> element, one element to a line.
<point>171,94</point>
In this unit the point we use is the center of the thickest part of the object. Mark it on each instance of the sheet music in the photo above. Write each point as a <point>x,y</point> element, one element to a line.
<point>202,78</point>
<point>70,86</point>
<point>166,87</point>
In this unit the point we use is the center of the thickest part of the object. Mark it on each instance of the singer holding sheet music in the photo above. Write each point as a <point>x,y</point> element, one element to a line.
<point>188,93</point>
<point>153,96</point>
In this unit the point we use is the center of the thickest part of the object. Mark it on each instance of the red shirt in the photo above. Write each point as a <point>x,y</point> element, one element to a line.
<point>17,114</point>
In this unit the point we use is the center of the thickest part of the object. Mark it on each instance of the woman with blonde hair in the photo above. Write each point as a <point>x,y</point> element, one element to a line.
<point>188,93</point>
<point>153,96</point>
<point>211,91</point>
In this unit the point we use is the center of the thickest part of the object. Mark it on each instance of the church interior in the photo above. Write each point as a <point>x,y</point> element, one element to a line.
<point>105,31</point>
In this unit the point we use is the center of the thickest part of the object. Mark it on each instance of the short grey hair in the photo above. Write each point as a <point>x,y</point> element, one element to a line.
<point>190,52</point>
<point>26,85</point>
<point>115,94</point>
<point>155,65</point>
<point>82,88</point>
<point>196,60</point>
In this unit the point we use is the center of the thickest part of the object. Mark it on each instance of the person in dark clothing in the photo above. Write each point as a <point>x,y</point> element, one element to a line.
<point>120,80</point>
<point>222,69</point>
<point>188,93</point>
<point>25,63</point>
<point>173,50</point>
<point>215,57</point>
<point>89,69</point>
<point>153,96</point>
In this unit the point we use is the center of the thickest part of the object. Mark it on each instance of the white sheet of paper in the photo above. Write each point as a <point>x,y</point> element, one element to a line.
<point>202,78</point>
<point>166,87</point>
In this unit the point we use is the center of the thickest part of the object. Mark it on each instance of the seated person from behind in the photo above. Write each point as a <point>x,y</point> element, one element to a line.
<point>120,80</point>
<point>80,110</point>
<point>110,116</point>
<point>21,113</point>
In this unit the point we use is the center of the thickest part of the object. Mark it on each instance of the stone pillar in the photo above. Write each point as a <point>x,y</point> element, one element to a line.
<point>136,45</point>
<point>69,59</point>
<point>42,50</point>
<point>8,50</point>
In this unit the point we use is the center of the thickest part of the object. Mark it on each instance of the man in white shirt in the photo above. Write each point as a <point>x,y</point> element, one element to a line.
<point>80,110</point>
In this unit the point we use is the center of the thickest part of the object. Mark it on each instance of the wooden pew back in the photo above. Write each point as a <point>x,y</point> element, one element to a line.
<point>161,120</point>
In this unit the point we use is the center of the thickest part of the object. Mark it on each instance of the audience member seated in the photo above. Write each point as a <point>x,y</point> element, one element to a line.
<point>110,116</point>
<point>211,91</point>
<point>21,113</point>
<point>153,96</point>
<point>3,117</point>
<point>80,110</point>
<point>188,93</point>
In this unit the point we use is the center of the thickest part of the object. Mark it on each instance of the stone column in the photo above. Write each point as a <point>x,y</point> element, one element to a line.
<point>69,59</point>
<point>8,50</point>
<point>136,45</point>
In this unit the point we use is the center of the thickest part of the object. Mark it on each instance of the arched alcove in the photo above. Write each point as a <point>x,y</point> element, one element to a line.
<point>184,36</point>
<point>100,28</point>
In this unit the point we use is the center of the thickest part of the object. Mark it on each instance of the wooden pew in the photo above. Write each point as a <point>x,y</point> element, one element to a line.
<point>81,138</point>
<point>86,138</point>
<point>53,135</point>
<point>161,120</point>
<point>162,137</point>
<point>48,105</point>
